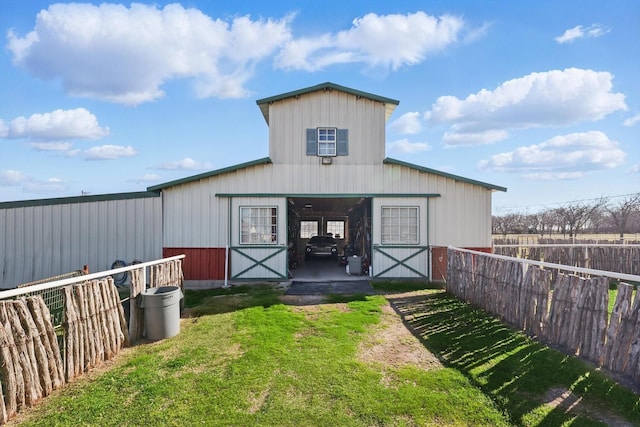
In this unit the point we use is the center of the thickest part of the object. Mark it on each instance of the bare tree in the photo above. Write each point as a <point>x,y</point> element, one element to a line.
<point>576,216</point>
<point>621,213</point>
<point>548,221</point>
<point>510,223</point>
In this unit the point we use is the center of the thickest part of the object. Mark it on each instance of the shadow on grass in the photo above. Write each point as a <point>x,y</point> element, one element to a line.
<point>225,300</point>
<point>514,370</point>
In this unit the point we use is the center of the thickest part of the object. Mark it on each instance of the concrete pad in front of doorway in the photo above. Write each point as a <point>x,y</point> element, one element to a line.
<point>350,287</point>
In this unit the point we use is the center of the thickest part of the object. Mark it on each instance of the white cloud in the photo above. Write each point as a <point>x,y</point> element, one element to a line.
<point>408,123</point>
<point>632,120</point>
<point>52,185</point>
<point>406,147</point>
<point>78,123</point>
<point>554,176</point>
<point>13,178</point>
<point>10,178</point>
<point>147,178</point>
<point>561,157</point>
<point>125,55</point>
<point>52,146</point>
<point>579,32</point>
<point>635,168</point>
<point>553,98</point>
<point>4,130</point>
<point>451,139</point>
<point>185,164</point>
<point>389,41</point>
<point>109,152</point>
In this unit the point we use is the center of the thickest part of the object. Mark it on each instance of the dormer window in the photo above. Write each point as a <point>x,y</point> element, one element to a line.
<point>326,142</point>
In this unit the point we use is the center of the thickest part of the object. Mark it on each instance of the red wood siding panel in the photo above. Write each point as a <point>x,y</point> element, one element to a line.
<point>439,261</point>
<point>200,263</point>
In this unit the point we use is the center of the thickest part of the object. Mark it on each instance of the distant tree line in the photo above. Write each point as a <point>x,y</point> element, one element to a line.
<point>600,216</point>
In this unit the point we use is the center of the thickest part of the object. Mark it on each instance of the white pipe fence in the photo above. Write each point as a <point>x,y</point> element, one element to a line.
<point>52,295</point>
<point>50,333</point>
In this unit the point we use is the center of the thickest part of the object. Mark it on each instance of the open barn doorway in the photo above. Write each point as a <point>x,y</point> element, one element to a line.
<point>324,232</point>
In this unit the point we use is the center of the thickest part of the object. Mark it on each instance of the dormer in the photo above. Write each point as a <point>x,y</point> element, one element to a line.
<point>327,124</point>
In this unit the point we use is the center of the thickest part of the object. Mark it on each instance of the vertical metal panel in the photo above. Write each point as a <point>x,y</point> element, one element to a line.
<point>289,119</point>
<point>195,217</point>
<point>395,261</point>
<point>50,239</point>
<point>259,261</point>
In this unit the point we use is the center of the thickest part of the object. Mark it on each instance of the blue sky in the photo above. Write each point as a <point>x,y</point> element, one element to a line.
<point>541,97</point>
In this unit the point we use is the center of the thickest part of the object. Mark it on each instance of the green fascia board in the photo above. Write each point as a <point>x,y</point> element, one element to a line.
<point>264,102</point>
<point>390,161</point>
<point>327,195</point>
<point>159,187</point>
<point>327,85</point>
<point>79,199</point>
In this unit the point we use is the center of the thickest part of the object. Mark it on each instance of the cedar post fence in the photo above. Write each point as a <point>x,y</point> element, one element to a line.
<point>569,313</point>
<point>44,345</point>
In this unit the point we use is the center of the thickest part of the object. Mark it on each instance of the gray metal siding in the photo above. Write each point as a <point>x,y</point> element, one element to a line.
<point>363,118</point>
<point>196,217</point>
<point>52,239</point>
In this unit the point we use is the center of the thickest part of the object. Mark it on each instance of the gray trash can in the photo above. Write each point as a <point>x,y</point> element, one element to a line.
<point>161,312</point>
<point>355,265</point>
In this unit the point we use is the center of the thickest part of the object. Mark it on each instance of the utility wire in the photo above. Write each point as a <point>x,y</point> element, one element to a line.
<point>510,208</point>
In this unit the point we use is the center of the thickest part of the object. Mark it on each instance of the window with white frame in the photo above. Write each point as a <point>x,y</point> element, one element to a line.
<point>326,141</point>
<point>258,225</point>
<point>308,229</point>
<point>400,225</point>
<point>336,229</point>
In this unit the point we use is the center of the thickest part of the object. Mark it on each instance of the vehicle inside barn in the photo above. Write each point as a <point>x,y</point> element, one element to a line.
<point>329,237</point>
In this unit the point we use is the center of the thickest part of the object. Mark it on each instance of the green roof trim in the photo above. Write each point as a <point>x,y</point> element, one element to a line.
<point>389,161</point>
<point>263,161</point>
<point>79,199</point>
<point>328,195</point>
<point>264,102</point>
<point>324,86</point>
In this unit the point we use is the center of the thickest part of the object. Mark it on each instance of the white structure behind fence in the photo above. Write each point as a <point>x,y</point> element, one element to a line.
<point>45,238</point>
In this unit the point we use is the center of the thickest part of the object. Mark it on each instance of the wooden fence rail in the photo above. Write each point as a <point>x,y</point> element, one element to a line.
<point>36,358</point>
<point>620,258</point>
<point>569,313</point>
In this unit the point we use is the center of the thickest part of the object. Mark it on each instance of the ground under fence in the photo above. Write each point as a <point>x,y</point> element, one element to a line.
<point>570,312</point>
<point>51,333</point>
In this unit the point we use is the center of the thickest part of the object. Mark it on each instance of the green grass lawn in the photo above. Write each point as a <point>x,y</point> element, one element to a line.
<point>247,359</point>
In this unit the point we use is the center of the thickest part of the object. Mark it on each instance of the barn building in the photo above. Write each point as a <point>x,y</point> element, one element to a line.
<point>326,174</point>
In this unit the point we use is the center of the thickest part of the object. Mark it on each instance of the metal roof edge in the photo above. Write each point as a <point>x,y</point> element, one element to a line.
<point>160,187</point>
<point>391,161</point>
<point>79,199</point>
<point>327,85</point>
<point>328,195</point>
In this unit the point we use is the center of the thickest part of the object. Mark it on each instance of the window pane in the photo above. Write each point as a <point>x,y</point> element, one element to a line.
<point>326,141</point>
<point>258,225</point>
<point>400,225</point>
<point>308,229</point>
<point>336,228</point>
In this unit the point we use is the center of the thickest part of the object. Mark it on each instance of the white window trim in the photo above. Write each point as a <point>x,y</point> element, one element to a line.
<point>334,142</point>
<point>274,234</point>
<point>398,242</point>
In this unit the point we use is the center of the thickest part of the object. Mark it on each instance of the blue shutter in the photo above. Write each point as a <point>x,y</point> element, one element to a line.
<point>312,143</point>
<point>342,139</point>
